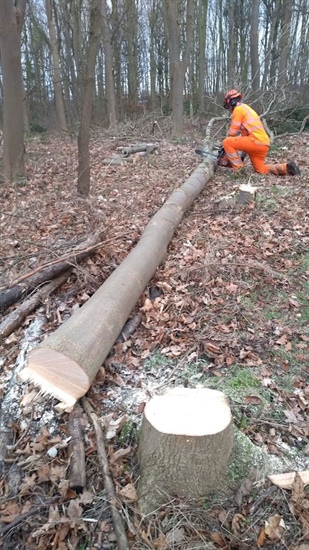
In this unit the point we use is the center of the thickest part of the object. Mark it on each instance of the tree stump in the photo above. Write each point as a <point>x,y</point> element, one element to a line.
<point>185,443</point>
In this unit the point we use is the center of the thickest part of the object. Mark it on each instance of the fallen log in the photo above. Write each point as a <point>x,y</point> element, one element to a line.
<point>16,317</point>
<point>107,477</point>
<point>138,148</point>
<point>12,295</point>
<point>76,450</point>
<point>185,443</point>
<point>66,363</point>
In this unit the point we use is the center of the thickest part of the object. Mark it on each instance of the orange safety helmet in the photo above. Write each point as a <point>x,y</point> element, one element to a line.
<point>231,98</point>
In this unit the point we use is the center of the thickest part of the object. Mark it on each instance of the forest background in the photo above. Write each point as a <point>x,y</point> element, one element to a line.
<point>65,63</point>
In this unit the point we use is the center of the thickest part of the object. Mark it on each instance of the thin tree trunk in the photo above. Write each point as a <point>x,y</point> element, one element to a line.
<point>11,20</point>
<point>284,43</point>
<point>57,76</point>
<point>83,178</point>
<point>178,65</point>
<point>201,38</point>
<point>231,81</point>
<point>132,52</point>
<point>153,68</point>
<point>254,52</point>
<point>108,55</point>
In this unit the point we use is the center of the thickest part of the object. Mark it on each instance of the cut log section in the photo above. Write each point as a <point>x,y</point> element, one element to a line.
<point>185,443</point>
<point>147,148</point>
<point>66,363</point>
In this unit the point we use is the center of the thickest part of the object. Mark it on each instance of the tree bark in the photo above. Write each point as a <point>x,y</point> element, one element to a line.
<point>11,21</point>
<point>83,178</point>
<point>76,451</point>
<point>202,25</point>
<point>185,443</point>
<point>132,51</point>
<point>284,42</point>
<point>108,55</point>
<point>57,76</point>
<point>254,53</point>
<point>66,363</point>
<point>178,65</point>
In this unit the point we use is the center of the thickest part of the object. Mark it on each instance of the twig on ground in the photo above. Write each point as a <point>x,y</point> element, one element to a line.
<point>108,482</point>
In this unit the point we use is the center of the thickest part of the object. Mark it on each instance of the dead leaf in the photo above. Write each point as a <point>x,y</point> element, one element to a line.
<point>53,514</point>
<point>129,492</point>
<point>232,288</point>
<point>253,400</point>
<point>282,340</point>
<point>74,510</point>
<point>237,520</point>
<point>210,348</point>
<point>147,305</point>
<point>121,453</point>
<point>218,539</point>
<point>261,538</point>
<point>293,302</point>
<point>298,489</point>
<point>275,527</point>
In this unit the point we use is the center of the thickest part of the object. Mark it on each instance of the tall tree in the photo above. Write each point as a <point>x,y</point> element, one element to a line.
<point>132,51</point>
<point>179,64</point>
<point>11,20</point>
<point>254,51</point>
<point>202,22</point>
<point>83,178</point>
<point>57,76</point>
<point>108,56</point>
<point>284,42</point>
<point>230,11</point>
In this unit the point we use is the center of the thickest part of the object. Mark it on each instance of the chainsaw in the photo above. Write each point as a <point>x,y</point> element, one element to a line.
<point>221,156</point>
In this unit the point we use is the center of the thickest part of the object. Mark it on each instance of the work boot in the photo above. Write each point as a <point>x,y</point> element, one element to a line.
<point>292,168</point>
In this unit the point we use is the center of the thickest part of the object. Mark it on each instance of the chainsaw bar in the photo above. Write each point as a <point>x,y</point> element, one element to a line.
<point>203,153</point>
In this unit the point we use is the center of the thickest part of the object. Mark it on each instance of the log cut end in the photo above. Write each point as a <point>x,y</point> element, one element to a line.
<point>185,443</point>
<point>56,375</point>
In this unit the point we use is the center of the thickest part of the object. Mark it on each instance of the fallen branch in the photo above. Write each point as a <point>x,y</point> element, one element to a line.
<point>108,482</point>
<point>49,271</point>
<point>5,529</point>
<point>129,328</point>
<point>303,125</point>
<point>76,450</point>
<point>16,318</point>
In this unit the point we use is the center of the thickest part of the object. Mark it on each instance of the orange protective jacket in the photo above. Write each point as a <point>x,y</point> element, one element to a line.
<point>246,122</point>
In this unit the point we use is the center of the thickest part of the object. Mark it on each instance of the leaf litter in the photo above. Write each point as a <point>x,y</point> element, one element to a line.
<point>229,300</point>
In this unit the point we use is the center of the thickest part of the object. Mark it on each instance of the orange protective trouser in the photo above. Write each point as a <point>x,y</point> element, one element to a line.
<point>257,154</point>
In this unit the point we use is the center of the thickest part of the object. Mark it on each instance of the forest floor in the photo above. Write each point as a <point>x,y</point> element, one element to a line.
<point>229,309</point>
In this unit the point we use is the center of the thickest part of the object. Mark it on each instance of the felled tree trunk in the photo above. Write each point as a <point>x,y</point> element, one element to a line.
<point>66,363</point>
<point>185,443</point>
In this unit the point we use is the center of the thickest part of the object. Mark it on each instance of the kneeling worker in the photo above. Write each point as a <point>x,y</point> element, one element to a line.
<point>247,134</point>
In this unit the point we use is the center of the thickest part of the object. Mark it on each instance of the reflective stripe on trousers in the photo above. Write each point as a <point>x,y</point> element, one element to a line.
<point>257,154</point>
